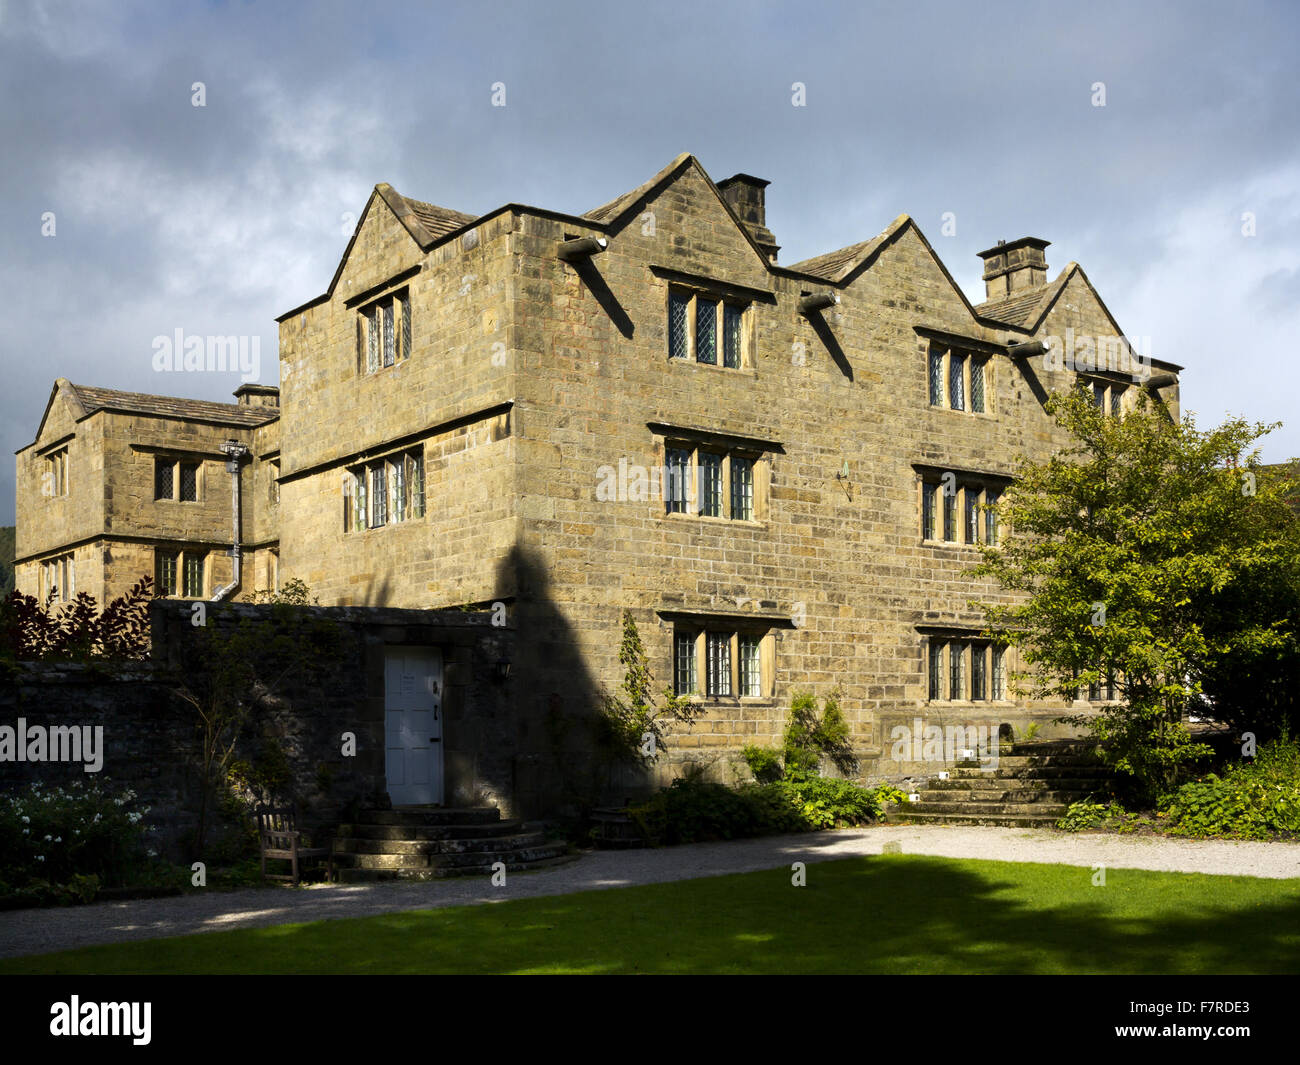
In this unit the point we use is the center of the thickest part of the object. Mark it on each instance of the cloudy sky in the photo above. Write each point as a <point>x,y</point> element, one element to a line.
<point>215,219</point>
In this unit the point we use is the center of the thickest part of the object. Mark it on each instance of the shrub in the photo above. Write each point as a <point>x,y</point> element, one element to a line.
<point>694,810</point>
<point>763,762</point>
<point>76,631</point>
<point>1251,800</point>
<point>74,838</point>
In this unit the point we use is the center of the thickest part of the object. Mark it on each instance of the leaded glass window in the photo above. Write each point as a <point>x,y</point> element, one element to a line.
<point>706,331</point>
<point>956,672</point>
<point>372,340</point>
<point>685,677</point>
<point>163,479</point>
<point>415,461</point>
<point>972,515</point>
<point>742,489</point>
<point>936,669</point>
<point>710,484</point>
<point>677,474</point>
<point>165,572</point>
<point>999,673</point>
<point>731,319</point>
<point>399,488</point>
<point>189,481</point>
<point>718,663</point>
<point>406,328</point>
<point>378,496</point>
<point>390,339</point>
<point>978,664</point>
<point>936,378</point>
<point>977,385</point>
<point>751,673</point>
<point>677,305</point>
<point>991,516</point>
<point>927,510</point>
<point>194,574</point>
<point>956,393</point>
<point>949,513</point>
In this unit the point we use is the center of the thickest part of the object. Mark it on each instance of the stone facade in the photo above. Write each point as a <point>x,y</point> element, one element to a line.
<point>90,491</point>
<point>546,377</point>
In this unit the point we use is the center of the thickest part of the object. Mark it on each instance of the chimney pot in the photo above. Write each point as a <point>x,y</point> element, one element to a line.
<point>745,195</point>
<point>1014,267</point>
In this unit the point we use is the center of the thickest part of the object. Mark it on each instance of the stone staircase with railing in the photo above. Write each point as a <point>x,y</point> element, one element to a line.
<point>427,843</point>
<point>1028,786</point>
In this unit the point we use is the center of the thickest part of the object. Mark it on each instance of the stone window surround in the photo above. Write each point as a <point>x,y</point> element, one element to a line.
<point>697,624</point>
<point>176,461</point>
<point>971,352</point>
<point>929,478</point>
<point>733,630</point>
<point>371,341</point>
<point>1115,392</point>
<point>971,642</point>
<point>56,472</point>
<point>179,556</point>
<point>693,287</point>
<point>358,497</point>
<point>758,453</point>
<point>59,572</point>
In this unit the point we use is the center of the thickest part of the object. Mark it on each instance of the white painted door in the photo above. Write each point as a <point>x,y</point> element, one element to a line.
<point>413,724</point>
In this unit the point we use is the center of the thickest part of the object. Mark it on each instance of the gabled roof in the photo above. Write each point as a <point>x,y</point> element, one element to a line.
<point>93,398</point>
<point>439,221</point>
<point>835,266</point>
<point>608,212</point>
<point>1026,310</point>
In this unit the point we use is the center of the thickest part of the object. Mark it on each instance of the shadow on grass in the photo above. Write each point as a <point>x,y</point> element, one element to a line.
<point>887,914</point>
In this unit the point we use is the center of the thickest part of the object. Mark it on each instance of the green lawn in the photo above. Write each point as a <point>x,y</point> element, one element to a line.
<point>887,914</point>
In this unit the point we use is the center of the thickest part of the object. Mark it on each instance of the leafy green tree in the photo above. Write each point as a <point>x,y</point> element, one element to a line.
<point>632,723</point>
<point>1140,552</point>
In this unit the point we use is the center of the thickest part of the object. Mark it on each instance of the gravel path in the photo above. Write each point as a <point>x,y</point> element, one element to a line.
<point>40,931</point>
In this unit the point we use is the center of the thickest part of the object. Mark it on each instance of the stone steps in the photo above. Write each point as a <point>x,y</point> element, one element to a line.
<point>427,843</point>
<point>1014,795</point>
<point>430,832</point>
<point>1030,788</point>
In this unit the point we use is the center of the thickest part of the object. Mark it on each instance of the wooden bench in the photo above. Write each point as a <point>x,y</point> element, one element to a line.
<point>277,832</point>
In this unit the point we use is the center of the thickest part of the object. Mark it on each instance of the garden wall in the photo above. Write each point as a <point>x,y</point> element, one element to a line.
<point>151,739</point>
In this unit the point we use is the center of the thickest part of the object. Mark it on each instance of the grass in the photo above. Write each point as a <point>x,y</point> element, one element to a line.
<point>887,914</point>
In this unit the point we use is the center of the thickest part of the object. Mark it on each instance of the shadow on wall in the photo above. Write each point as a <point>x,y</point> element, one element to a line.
<point>560,764</point>
<point>377,593</point>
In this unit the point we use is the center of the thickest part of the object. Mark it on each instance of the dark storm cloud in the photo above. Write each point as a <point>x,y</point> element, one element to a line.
<point>216,219</point>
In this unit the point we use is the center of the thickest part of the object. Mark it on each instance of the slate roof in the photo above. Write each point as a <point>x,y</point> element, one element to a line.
<point>835,265</point>
<point>93,399</point>
<point>439,221</point>
<point>1025,308</point>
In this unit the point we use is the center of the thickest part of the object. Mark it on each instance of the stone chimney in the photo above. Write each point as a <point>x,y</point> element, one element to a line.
<point>746,197</point>
<point>1014,267</point>
<point>258,396</point>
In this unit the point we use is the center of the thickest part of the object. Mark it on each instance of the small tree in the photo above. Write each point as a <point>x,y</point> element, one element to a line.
<point>1135,550</point>
<point>76,631</point>
<point>808,738</point>
<point>234,668</point>
<point>632,723</point>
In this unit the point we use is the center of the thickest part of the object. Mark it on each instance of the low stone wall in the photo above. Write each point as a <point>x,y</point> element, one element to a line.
<point>152,741</point>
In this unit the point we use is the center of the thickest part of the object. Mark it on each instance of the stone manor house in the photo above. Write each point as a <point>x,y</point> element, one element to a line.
<point>779,470</point>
